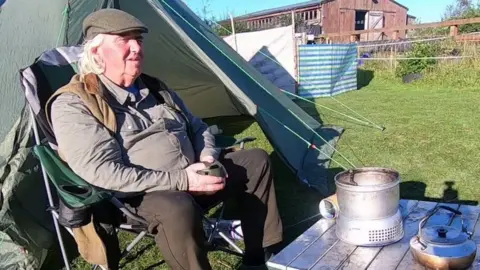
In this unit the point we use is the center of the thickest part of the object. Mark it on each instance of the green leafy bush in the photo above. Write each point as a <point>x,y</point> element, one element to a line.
<point>419,50</point>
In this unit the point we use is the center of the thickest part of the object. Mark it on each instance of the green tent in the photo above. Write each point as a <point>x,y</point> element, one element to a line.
<point>180,49</point>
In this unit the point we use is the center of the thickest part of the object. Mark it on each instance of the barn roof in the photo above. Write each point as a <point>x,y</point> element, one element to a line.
<point>399,4</point>
<point>301,5</point>
<point>393,1</point>
<point>281,9</point>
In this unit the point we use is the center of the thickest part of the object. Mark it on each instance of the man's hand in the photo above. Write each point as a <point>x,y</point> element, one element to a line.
<point>203,183</point>
<point>208,159</point>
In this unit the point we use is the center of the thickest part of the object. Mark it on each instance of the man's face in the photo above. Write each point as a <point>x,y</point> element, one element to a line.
<point>122,56</point>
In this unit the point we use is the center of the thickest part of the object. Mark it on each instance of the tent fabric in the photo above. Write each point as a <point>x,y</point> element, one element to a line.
<point>180,50</point>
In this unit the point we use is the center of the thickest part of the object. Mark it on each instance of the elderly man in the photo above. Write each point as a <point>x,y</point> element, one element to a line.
<point>150,161</point>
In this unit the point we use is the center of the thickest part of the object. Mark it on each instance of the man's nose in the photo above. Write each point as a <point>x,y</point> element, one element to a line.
<point>135,45</point>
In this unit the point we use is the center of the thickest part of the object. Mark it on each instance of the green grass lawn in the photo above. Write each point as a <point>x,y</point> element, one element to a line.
<point>431,137</point>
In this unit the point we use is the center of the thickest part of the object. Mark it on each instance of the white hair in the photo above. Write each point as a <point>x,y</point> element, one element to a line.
<point>87,62</point>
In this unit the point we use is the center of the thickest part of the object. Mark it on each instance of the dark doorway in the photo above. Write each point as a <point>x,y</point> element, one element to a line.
<point>360,19</point>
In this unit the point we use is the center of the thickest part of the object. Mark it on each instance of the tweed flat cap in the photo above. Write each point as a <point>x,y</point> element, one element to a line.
<point>111,21</point>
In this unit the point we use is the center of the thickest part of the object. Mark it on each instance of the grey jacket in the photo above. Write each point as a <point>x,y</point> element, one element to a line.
<point>150,150</point>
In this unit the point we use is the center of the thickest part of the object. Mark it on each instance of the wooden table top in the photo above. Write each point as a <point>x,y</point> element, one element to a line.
<point>319,248</point>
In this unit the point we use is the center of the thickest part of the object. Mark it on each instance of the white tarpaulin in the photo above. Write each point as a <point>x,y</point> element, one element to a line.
<point>270,52</point>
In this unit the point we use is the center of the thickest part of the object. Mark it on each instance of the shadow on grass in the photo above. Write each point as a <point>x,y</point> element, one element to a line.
<point>231,125</point>
<point>415,190</point>
<point>310,108</point>
<point>364,77</point>
<point>133,256</point>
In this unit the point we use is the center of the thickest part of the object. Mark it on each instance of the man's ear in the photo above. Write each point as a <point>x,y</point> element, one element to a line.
<point>96,53</point>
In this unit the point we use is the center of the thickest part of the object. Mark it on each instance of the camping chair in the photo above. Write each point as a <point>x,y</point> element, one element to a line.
<point>51,70</point>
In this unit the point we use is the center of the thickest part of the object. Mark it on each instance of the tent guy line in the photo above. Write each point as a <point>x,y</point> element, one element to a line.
<point>382,128</point>
<point>310,145</point>
<point>316,133</point>
<point>297,96</point>
<point>64,20</point>
<point>327,108</point>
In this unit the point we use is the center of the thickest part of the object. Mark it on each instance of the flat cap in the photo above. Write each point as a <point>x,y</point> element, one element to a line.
<point>111,21</point>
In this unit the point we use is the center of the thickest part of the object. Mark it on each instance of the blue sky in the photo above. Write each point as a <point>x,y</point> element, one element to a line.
<point>425,10</point>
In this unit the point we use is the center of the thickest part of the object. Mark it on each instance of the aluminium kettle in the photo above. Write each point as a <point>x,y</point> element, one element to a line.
<point>443,247</point>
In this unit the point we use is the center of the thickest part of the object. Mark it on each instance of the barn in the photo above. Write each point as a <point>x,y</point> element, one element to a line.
<point>334,16</point>
<point>349,15</point>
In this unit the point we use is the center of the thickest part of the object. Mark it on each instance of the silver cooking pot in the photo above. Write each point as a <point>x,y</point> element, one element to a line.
<point>368,193</point>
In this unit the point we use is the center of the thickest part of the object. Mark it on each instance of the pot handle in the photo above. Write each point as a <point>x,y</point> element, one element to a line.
<point>434,210</point>
<point>352,175</point>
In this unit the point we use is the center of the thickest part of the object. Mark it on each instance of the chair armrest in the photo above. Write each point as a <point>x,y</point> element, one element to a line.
<point>71,188</point>
<point>242,141</point>
<point>229,142</point>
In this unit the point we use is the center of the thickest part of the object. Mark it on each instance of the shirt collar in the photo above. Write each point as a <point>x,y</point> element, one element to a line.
<point>121,94</point>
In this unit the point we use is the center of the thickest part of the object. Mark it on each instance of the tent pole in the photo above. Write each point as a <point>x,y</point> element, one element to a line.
<point>49,195</point>
<point>295,53</point>
<point>233,32</point>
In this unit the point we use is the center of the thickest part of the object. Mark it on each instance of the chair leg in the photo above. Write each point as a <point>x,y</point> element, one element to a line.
<point>60,242</point>
<point>230,242</point>
<point>96,266</point>
<point>215,226</point>
<point>133,243</point>
<point>49,194</point>
<point>215,230</point>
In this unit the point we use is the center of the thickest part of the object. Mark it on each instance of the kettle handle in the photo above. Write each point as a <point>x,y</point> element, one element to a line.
<point>434,210</point>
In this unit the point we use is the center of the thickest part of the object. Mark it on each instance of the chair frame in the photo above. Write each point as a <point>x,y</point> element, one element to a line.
<point>214,233</point>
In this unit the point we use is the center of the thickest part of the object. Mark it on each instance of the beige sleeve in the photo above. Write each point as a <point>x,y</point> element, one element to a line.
<point>96,156</point>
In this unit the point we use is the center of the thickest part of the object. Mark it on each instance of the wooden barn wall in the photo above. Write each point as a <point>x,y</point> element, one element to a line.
<point>339,15</point>
<point>397,19</point>
<point>331,17</point>
<point>347,22</point>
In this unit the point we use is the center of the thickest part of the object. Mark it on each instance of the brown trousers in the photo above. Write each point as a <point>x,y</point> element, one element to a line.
<point>175,220</point>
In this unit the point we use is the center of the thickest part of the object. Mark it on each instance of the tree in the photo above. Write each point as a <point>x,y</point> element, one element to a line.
<point>225,29</point>
<point>457,9</point>
<point>463,9</point>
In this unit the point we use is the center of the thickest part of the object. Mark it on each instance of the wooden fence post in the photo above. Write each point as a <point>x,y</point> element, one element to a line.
<point>391,57</point>
<point>453,30</point>
<point>233,32</point>
<point>395,35</point>
<point>295,54</point>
